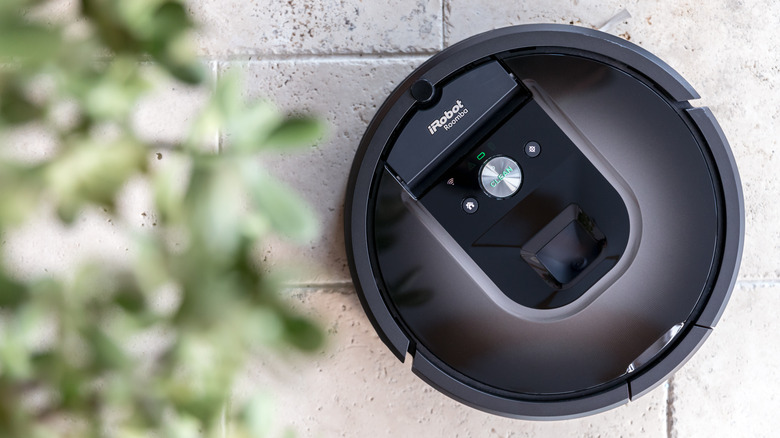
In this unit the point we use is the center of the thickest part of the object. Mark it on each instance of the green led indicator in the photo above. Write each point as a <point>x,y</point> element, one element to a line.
<point>480,156</point>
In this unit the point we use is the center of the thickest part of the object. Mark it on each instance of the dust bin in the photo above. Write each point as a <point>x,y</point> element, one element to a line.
<point>543,222</point>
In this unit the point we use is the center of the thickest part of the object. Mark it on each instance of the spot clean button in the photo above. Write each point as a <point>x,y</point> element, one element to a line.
<point>500,177</point>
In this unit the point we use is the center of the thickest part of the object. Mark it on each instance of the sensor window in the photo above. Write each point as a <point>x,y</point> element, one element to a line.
<point>569,253</point>
<point>565,249</point>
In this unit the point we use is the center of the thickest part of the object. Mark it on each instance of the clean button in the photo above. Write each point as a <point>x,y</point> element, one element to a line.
<point>500,177</point>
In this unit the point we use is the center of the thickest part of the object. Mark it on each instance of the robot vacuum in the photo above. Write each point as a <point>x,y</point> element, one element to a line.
<point>543,223</point>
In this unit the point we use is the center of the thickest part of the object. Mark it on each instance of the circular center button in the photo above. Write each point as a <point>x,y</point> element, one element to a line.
<point>500,177</point>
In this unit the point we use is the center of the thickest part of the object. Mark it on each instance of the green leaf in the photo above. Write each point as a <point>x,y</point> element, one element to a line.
<point>16,108</point>
<point>15,354</point>
<point>303,333</point>
<point>287,212</point>
<point>92,172</point>
<point>12,8</point>
<point>115,94</point>
<point>248,130</point>
<point>258,415</point>
<point>131,300</point>
<point>222,106</point>
<point>169,21</point>
<point>106,18</point>
<point>181,425</point>
<point>71,385</point>
<point>189,73</point>
<point>28,43</point>
<point>214,206</point>
<point>106,354</point>
<point>12,292</point>
<point>151,265</point>
<point>226,100</point>
<point>20,190</point>
<point>300,131</point>
<point>179,58</point>
<point>168,187</point>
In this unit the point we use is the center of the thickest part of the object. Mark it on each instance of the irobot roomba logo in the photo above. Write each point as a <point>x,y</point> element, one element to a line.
<point>449,118</point>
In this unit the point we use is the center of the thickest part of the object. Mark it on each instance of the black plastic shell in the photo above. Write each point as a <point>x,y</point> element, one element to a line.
<point>597,45</point>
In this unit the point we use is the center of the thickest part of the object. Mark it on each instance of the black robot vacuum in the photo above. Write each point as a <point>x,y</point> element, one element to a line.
<point>543,222</point>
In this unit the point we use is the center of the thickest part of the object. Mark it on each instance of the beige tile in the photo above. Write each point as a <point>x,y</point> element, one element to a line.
<point>730,388</point>
<point>346,93</point>
<point>242,27</point>
<point>357,388</point>
<point>463,18</point>
<point>45,246</point>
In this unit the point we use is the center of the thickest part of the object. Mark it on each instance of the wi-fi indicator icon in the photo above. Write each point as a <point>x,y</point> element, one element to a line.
<point>451,181</point>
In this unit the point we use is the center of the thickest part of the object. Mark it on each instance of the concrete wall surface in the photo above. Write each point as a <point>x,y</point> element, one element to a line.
<point>340,59</point>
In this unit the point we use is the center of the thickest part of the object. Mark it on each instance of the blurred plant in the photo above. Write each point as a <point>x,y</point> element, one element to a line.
<point>81,379</point>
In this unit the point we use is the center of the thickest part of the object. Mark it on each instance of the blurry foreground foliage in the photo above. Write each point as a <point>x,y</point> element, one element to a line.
<point>65,369</point>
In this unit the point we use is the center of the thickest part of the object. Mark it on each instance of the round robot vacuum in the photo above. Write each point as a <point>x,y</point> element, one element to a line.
<point>540,219</point>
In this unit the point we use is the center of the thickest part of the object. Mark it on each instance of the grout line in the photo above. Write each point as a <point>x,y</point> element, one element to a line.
<point>322,57</point>
<point>207,58</point>
<point>670,432</point>
<point>320,285</point>
<point>443,24</point>
<point>759,283</point>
